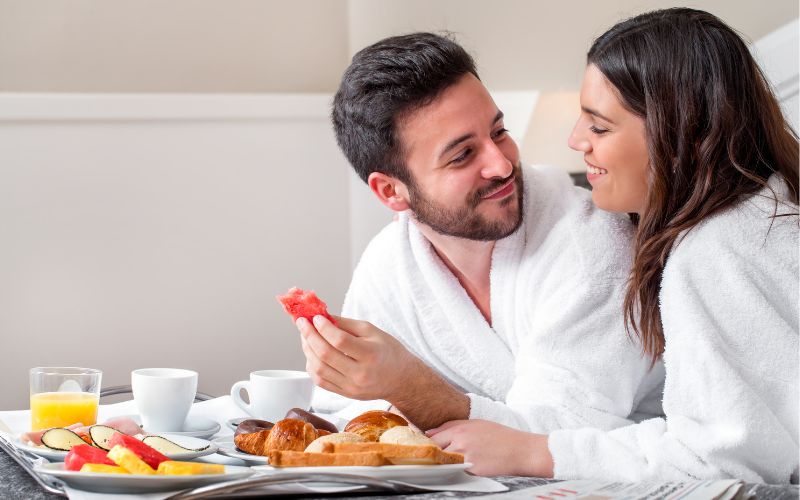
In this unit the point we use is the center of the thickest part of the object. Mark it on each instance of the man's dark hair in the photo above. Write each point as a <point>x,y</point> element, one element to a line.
<point>384,82</point>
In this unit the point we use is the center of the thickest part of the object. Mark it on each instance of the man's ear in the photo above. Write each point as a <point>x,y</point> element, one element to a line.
<point>389,191</point>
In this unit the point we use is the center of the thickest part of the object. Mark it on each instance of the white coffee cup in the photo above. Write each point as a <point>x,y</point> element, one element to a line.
<point>274,392</point>
<point>163,397</point>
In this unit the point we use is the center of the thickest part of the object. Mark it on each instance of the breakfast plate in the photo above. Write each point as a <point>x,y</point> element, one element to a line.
<point>227,447</point>
<point>136,483</point>
<point>201,446</point>
<point>418,474</point>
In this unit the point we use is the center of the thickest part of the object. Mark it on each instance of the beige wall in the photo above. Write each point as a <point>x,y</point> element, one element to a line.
<point>172,46</point>
<point>159,236</point>
<point>303,45</point>
<point>527,44</point>
<point>155,230</point>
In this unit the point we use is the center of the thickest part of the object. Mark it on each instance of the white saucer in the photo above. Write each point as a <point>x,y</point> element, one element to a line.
<point>199,427</point>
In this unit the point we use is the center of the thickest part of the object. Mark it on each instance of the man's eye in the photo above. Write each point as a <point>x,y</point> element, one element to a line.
<point>597,130</point>
<point>462,157</point>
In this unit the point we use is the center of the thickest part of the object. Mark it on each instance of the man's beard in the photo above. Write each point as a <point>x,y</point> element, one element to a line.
<point>466,221</point>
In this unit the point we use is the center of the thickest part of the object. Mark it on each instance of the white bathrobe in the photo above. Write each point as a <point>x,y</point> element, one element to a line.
<point>556,354</point>
<point>729,306</point>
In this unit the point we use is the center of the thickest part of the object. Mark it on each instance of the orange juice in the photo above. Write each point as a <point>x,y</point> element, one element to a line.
<point>60,409</point>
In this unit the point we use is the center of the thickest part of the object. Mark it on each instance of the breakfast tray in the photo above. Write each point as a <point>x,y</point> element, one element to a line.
<point>251,486</point>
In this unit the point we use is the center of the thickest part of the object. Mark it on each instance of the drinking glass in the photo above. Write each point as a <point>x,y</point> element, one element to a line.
<point>62,396</point>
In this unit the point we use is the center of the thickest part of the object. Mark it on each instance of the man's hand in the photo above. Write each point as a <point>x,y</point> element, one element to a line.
<point>360,361</point>
<point>494,449</point>
<point>357,359</point>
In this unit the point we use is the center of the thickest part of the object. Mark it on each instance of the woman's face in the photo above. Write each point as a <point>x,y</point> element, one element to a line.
<point>614,146</point>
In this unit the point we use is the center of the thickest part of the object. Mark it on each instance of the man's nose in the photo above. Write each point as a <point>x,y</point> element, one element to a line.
<point>496,164</point>
<point>578,141</point>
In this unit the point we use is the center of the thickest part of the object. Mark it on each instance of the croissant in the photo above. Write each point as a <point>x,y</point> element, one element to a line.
<point>290,434</point>
<point>372,424</point>
<point>254,443</point>
<point>287,435</point>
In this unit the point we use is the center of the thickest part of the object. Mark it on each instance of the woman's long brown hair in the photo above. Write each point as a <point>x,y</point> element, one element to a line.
<point>715,134</point>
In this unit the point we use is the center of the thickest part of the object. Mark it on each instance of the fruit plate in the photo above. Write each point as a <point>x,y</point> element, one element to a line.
<point>136,483</point>
<point>186,441</point>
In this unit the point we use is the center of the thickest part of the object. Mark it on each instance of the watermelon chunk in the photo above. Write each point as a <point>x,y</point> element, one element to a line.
<point>148,454</point>
<point>84,454</point>
<point>303,304</point>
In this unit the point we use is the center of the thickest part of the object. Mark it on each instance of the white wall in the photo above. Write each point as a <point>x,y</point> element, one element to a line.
<point>156,230</point>
<point>778,54</point>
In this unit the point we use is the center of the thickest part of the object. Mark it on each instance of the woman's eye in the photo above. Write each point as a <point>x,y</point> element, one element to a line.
<point>597,130</point>
<point>500,133</point>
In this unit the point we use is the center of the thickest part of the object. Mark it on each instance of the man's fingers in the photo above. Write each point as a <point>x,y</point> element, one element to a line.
<point>320,370</point>
<point>352,326</point>
<point>341,339</point>
<point>327,353</point>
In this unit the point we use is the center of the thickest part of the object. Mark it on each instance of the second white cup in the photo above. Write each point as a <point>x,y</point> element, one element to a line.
<point>274,392</point>
<point>163,397</point>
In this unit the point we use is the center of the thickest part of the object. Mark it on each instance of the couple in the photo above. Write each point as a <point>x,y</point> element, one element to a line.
<point>528,319</point>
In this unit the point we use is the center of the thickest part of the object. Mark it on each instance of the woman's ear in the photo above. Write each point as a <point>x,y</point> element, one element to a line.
<point>389,191</point>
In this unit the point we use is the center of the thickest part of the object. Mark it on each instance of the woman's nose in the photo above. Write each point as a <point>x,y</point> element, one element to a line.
<point>578,141</point>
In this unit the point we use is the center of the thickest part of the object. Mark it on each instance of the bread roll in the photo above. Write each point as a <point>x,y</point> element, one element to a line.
<point>338,437</point>
<point>372,424</point>
<point>403,434</point>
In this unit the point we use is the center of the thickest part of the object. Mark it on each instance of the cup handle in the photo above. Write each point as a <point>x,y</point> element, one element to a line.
<point>237,397</point>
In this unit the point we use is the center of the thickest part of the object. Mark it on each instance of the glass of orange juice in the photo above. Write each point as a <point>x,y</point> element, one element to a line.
<point>62,396</point>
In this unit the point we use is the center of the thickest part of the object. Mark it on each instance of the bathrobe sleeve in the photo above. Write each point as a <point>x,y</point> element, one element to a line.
<point>730,317</point>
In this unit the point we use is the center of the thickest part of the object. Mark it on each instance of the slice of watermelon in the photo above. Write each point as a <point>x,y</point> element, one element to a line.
<point>303,304</point>
<point>84,454</point>
<point>148,454</point>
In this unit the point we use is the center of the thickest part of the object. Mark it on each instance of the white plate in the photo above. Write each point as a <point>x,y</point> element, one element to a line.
<point>199,427</point>
<point>136,483</point>
<point>417,474</point>
<point>186,441</point>
<point>229,449</point>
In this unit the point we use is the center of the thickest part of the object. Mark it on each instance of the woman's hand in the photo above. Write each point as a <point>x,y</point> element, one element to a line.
<point>494,449</point>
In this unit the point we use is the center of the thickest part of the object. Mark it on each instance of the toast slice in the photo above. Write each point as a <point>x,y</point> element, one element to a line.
<point>398,454</point>
<point>280,458</point>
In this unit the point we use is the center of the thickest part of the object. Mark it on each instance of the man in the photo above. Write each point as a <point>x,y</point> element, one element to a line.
<point>500,285</point>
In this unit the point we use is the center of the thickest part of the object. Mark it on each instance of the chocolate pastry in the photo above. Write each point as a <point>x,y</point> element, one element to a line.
<point>252,425</point>
<point>317,422</point>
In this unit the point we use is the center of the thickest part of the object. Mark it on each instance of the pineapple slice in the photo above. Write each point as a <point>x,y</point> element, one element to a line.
<point>105,469</point>
<point>175,468</point>
<point>128,460</point>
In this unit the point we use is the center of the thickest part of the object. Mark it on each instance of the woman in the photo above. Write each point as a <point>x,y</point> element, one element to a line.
<point>680,129</point>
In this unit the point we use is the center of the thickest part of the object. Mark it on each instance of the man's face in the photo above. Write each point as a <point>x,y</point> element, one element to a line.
<point>465,168</point>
